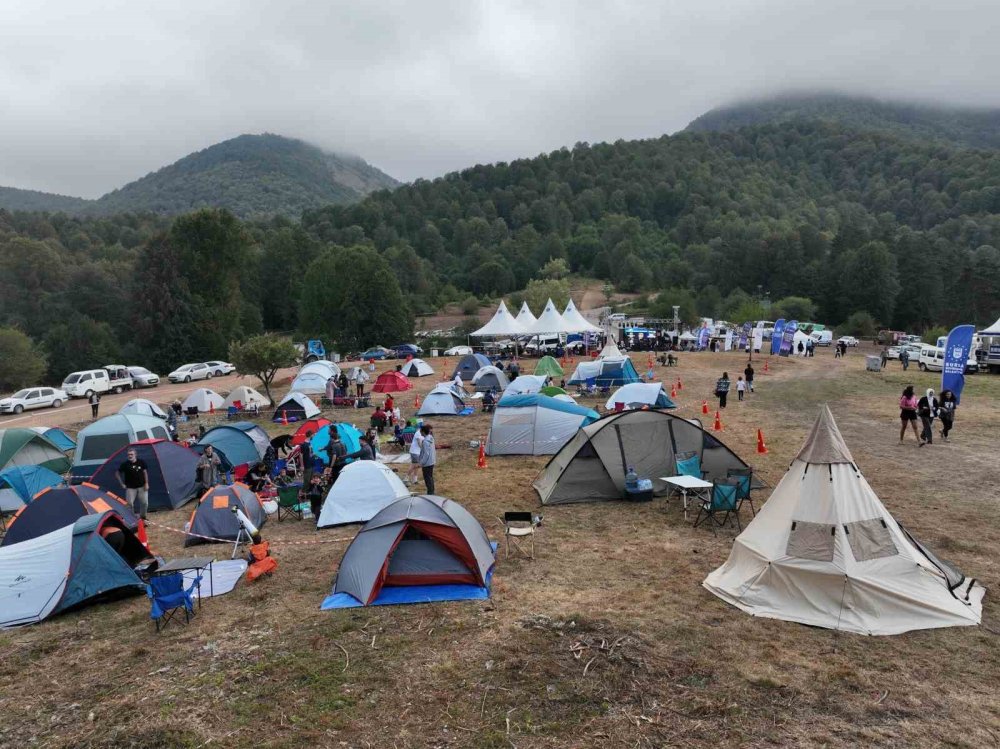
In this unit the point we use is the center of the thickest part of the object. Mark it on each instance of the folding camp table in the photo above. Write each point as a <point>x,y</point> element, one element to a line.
<point>684,484</point>
<point>189,563</point>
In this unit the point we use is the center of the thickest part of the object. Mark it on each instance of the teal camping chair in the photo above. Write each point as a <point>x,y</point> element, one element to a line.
<point>724,501</point>
<point>688,464</point>
<point>168,595</point>
<point>744,476</point>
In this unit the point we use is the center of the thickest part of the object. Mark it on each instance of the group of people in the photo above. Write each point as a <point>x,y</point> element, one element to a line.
<point>744,385</point>
<point>337,387</point>
<point>927,408</point>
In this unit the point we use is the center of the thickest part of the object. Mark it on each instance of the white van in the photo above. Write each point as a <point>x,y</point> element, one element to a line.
<point>114,378</point>
<point>822,337</point>
<point>931,359</point>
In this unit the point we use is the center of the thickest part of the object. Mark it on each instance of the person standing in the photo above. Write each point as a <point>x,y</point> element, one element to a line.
<point>908,413</point>
<point>415,444</point>
<point>884,357</point>
<point>741,388</point>
<point>722,389</point>
<point>331,388</point>
<point>134,478</point>
<point>360,378</point>
<point>748,374</point>
<point>946,412</point>
<point>904,359</point>
<point>306,453</point>
<point>927,409</point>
<point>336,454</point>
<point>428,457</point>
<point>95,403</point>
<point>208,467</point>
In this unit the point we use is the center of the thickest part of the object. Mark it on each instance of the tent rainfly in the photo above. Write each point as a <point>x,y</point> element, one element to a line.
<point>605,373</point>
<point>361,491</point>
<point>824,551</point>
<point>441,401</point>
<point>214,516</point>
<point>100,440</point>
<point>26,447</point>
<point>57,437</point>
<point>577,323</point>
<point>391,382</point>
<point>247,397</point>
<point>501,324</point>
<point>526,385</point>
<point>170,468</point>
<point>468,365</point>
<point>550,321</point>
<point>59,506</point>
<point>548,367</point>
<point>143,407</point>
<point>310,427</point>
<point>417,368</point>
<point>204,399</point>
<point>639,394</point>
<point>18,484</point>
<point>489,378</point>
<point>295,407</point>
<point>350,435</point>
<point>312,383</point>
<point>534,425</point>
<point>239,443</point>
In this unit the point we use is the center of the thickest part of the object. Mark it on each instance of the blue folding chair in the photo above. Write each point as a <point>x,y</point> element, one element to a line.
<point>168,596</point>
<point>724,500</point>
<point>688,464</point>
<point>744,476</point>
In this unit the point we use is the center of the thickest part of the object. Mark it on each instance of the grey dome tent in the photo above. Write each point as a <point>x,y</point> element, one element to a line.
<point>103,438</point>
<point>591,467</point>
<point>417,368</point>
<point>417,549</point>
<point>468,365</point>
<point>441,401</point>
<point>489,378</point>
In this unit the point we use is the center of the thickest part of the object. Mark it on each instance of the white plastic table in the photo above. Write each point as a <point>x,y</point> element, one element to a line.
<point>687,484</point>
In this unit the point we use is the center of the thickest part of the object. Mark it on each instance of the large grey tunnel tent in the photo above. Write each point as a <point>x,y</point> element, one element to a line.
<point>591,467</point>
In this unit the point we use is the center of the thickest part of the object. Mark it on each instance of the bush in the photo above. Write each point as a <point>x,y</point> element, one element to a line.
<point>470,305</point>
<point>860,324</point>
<point>932,334</point>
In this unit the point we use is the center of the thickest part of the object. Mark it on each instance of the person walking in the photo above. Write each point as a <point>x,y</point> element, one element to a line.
<point>908,413</point>
<point>946,412</point>
<point>428,457</point>
<point>741,388</point>
<point>927,409</point>
<point>415,445</point>
<point>134,478</point>
<point>904,359</point>
<point>722,389</point>
<point>884,357</point>
<point>208,467</point>
<point>95,403</point>
<point>748,373</point>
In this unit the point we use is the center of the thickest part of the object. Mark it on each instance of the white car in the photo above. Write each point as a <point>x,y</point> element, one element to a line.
<point>458,351</point>
<point>190,372</point>
<point>29,398</point>
<point>143,378</point>
<point>220,368</point>
<point>848,339</point>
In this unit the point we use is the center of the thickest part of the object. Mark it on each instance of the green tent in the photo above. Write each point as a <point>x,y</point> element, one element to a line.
<point>549,367</point>
<point>552,391</point>
<point>26,447</point>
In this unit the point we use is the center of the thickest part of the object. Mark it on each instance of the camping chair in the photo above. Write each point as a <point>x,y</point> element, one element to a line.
<point>745,478</point>
<point>514,529</point>
<point>168,595</point>
<point>688,464</point>
<point>232,413</point>
<point>723,500</point>
<point>289,502</point>
<point>192,412</point>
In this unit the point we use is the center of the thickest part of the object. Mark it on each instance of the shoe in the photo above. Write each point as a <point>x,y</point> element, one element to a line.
<point>922,443</point>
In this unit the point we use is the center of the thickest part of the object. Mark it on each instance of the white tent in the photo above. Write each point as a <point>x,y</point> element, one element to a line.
<point>362,489</point>
<point>313,376</point>
<point>296,402</point>
<point>824,551</point>
<point>248,397</point>
<point>993,329</point>
<point>610,351</point>
<point>143,407</point>
<point>550,321</point>
<point>526,385</point>
<point>204,400</point>
<point>33,576</point>
<point>687,335</point>
<point>534,425</point>
<point>417,368</point>
<point>524,317</point>
<point>489,378</point>
<point>502,324</point>
<point>577,323</point>
<point>443,400</point>
<point>637,395</point>
<point>321,366</point>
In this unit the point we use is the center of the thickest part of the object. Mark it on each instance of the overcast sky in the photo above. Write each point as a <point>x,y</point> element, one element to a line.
<point>96,94</point>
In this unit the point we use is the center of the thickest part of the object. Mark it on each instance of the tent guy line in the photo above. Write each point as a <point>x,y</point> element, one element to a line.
<point>272,541</point>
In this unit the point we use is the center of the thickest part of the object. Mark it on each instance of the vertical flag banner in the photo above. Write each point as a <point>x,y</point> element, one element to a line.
<point>788,337</point>
<point>758,336</point>
<point>728,345</point>
<point>779,329</point>
<point>703,339</point>
<point>956,355</point>
<point>744,334</point>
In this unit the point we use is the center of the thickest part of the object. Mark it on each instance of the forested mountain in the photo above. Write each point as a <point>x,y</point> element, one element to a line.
<point>974,128</point>
<point>251,175</point>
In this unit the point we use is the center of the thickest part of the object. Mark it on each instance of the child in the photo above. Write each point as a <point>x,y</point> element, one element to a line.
<point>741,387</point>
<point>315,495</point>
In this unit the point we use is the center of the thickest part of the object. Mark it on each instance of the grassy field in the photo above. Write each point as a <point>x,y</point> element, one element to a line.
<point>605,639</point>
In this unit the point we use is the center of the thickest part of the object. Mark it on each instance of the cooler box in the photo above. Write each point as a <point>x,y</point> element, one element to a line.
<point>643,491</point>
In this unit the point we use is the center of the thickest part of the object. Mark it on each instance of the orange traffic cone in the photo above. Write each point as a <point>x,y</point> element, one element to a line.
<point>761,447</point>
<point>673,392</point>
<point>765,366</point>
<point>141,534</point>
<point>416,400</point>
<point>704,407</point>
<point>717,427</point>
<point>211,408</point>
<point>284,417</point>
<point>481,462</point>
<point>680,385</point>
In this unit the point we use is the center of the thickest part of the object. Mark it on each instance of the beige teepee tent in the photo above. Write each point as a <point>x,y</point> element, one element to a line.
<point>825,551</point>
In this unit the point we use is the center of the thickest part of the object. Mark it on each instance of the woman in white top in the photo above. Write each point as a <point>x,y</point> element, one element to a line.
<point>418,441</point>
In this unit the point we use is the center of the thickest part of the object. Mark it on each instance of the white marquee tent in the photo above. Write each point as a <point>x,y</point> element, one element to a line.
<point>524,317</point>
<point>550,321</point>
<point>577,323</point>
<point>502,324</point>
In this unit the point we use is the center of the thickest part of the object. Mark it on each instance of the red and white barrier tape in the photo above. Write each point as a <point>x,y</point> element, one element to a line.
<point>230,540</point>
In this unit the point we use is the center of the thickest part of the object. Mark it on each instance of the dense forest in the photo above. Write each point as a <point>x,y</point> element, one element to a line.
<point>841,220</point>
<point>251,176</point>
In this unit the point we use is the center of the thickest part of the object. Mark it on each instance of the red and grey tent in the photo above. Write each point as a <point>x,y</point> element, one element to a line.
<point>59,506</point>
<point>313,425</point>
<point>171,468</point>
<point>391,382</point>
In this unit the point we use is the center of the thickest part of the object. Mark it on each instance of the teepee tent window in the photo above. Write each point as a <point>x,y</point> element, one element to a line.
<point>870,539</point>
<point>811,541</point>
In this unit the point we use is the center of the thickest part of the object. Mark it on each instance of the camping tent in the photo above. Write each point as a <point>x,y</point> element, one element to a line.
<point>639,394</point>
<point>526,385</point>
<point>213,516</point>
<point>605,373</point>
<point>501,324</point>
<point>592,465</point>
<point>247,397</point>
<point>534,425</point>
<point>418,549</point>
<point>313,425</point>
<point>322,367</point>
<point>391,382</point>
<point>295,407</point>
<point>240,443</point>
<point>143,407</point>
<point>489,378</point>
<point>57,437</point>
<point>100,440</point>
<point>170,467</point>
<point>441,401</point>
<point>550,321</point>
<point>553,390</point>
<point>18,484</point>
<point>350,435</point>
<point>417,368</point>
<point>824,551</point>
<point>205,400</point>
<point>549,367</point>
<point>66,567</point>
<point>312,378</point>
<point>26,447</point>
<point>58,506</point>
<point>575,322</point>
<point>610,351</point>
<point>468,365</point>
<point>360,492</point>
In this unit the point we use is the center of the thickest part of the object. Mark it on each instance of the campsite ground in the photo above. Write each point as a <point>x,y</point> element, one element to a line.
<point>605,639</point>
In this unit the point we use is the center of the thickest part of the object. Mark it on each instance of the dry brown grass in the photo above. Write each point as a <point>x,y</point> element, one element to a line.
<point>606,639</point>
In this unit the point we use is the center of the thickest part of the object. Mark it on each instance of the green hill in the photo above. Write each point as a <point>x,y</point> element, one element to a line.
<point>967,127</point>
<point>251,175</point>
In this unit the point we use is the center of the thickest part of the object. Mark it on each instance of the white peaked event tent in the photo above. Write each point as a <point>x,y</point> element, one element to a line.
<point>993,329</point>
<point>525,318</point>
<point>502,324</point>
<point>824,551</point>
<point>575,322</point>
<point>550,321</point>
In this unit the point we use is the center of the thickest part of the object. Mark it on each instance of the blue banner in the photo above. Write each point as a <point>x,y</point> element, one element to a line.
<point>703,339</point>
<point>744,335</point>
<point>956,355</point>
<point>779,329</point>
<point>788,337</point>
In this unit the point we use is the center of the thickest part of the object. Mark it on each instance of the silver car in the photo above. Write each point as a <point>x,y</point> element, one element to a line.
<point>143,378</point>
<point>188,372</point>
<point>40,397</point>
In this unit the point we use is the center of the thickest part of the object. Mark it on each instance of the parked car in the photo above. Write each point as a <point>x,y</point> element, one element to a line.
<point>403,350</point>
<point>458,351</point>
<point>112,378</point>
<point>849,340</point>
<point>220,368</point>
<point>893,352</point>
<point>143,378</point>
<point>189,372</point>
<point>377,353</point>
<point>822,337</point>
<point>932,360</point>
<point>913,350</point>
<point>24,400</point>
